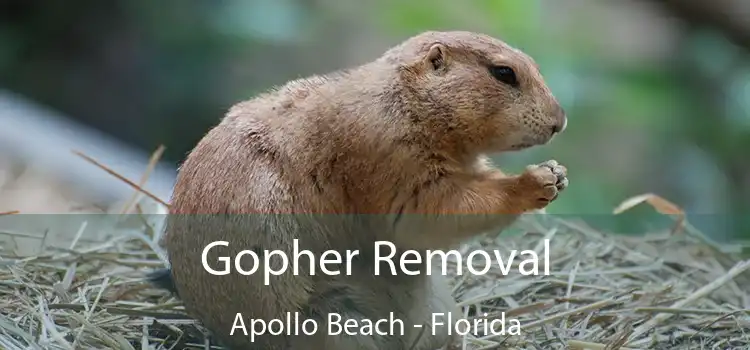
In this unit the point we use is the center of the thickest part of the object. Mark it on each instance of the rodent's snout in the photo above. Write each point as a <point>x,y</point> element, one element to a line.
<point>561,120</point>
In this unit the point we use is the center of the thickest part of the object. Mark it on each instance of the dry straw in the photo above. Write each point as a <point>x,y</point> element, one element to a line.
<point>669,290</point>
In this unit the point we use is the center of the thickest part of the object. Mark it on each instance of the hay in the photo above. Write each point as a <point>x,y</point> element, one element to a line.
<point>670,290</point>
<point>662,291</point>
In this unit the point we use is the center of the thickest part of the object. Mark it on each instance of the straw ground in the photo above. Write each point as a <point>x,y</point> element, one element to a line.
<point>603,292</point>
<point>662,290</point>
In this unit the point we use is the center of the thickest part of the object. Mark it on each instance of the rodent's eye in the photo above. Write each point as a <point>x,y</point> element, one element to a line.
<point>504,74</point>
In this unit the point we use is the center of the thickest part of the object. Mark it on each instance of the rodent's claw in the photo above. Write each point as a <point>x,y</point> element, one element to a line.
<point>560,172</point>
<point>543,182</point>
<point>550,163</point>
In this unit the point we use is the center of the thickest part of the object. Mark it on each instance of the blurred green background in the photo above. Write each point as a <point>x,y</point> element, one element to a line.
<point>657,92</point>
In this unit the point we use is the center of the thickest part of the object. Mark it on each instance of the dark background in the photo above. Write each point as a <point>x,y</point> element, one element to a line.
<point>658,92</point>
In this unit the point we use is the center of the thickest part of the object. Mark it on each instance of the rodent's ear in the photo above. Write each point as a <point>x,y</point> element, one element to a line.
<point>436,57</point>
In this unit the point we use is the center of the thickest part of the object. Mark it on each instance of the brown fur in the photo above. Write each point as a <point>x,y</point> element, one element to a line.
<point>404,136</point>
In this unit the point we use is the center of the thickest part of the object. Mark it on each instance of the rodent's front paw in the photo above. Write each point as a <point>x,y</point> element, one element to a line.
<point>542,183</point>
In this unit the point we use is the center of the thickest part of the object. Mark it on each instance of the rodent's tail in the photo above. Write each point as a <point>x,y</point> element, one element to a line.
<point>162,278</point>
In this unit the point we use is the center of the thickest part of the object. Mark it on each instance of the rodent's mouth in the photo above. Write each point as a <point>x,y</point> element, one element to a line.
<point>528,142</point>
<point>520,146</point>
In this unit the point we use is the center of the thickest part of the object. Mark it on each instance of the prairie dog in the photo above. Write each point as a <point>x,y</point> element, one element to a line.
<point>394,150</point>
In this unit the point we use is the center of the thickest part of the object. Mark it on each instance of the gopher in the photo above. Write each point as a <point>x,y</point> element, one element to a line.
<point>392,150</point>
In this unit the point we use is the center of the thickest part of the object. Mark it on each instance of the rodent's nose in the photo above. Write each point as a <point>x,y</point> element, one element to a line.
<point>562,121</point>
<point>560,127</point>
